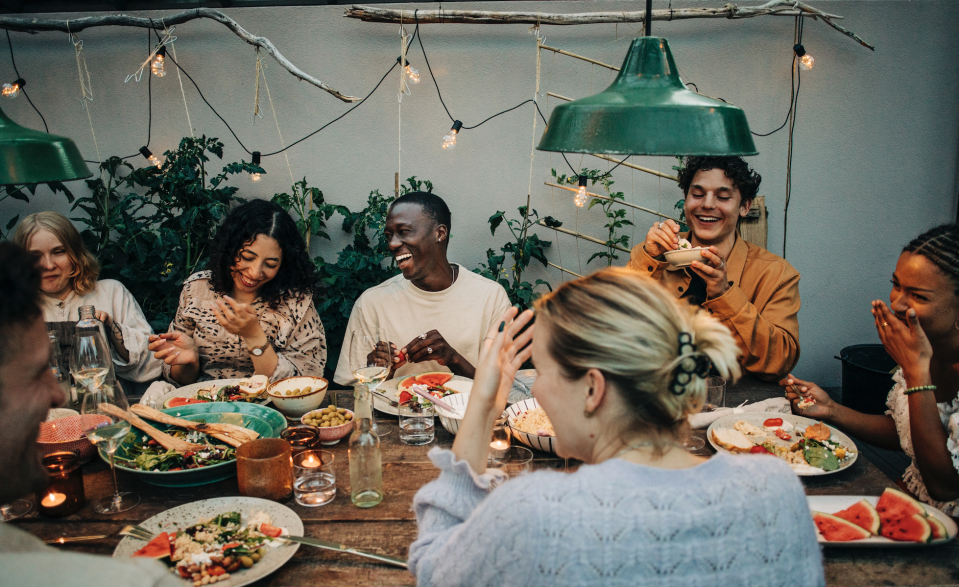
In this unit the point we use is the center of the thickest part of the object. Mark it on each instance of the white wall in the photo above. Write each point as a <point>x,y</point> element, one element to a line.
<point>875,144</point>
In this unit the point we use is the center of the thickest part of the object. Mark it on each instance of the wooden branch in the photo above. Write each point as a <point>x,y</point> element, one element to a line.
<point>568,54</point>
<point>563,269</point>
<point>624,203</point>
<point>580,235</point>
<point>637,167</point>
<point>34,25</point>
<point>728,11</point>
<point>558,96</point>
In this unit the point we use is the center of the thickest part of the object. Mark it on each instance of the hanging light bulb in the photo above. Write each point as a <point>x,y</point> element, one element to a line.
<point>159,63</point>
<point>255,177</point>
<point>581,198</point>
<point>149,156</point>
<point>13,90</point>
<point>412,75</point>
<point>806,61</point>
<point>449,141</point>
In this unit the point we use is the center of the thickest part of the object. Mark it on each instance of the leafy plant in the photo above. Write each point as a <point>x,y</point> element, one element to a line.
<point>16,192</point>
<point>615,215</point>
<point>681,204</point>
<point>311,219</point>
<point>520,251</point>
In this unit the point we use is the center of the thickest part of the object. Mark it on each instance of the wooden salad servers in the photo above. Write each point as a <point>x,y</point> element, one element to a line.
<point>166,441</point>
<point>229,433</point>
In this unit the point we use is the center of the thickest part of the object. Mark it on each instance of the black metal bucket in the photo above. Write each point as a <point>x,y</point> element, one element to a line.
<point>866,377</point>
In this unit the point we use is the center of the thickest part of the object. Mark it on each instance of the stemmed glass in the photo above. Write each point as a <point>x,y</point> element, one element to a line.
<point>15,509</point>
<point>371,358</point>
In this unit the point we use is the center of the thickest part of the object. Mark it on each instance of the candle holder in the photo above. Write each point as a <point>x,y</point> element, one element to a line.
<point>301,438</point>
<point>264,469</point>
<point>314,478</point>
<point>499,443</point>
<point>65,494</point>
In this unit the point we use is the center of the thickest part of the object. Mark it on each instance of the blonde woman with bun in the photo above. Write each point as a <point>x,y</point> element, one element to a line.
<point>620,367</point>
<point>69,280</point>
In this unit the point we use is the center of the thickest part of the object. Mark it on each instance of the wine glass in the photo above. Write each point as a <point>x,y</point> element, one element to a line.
<point>15,509</point>
<point>90,362</point>
<point>371,358</point>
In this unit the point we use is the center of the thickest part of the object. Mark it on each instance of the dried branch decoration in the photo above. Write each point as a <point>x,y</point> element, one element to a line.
<point>35,25</point>
<point>728,11</point>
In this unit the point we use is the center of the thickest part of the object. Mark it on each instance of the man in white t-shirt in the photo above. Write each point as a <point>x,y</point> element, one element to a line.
<point>27,391</point>
<point>436,313</point>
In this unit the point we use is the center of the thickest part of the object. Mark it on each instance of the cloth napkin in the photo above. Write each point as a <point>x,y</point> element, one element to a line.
<point>704,419</point>
<point>151,397</point>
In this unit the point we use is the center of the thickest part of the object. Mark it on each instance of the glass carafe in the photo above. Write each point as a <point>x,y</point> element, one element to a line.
<point>366,460</point>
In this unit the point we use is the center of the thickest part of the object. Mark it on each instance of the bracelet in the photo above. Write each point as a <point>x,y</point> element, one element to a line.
<point>918,389</point>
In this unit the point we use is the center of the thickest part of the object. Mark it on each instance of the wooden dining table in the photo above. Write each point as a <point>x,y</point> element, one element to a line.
<point>390,527</point>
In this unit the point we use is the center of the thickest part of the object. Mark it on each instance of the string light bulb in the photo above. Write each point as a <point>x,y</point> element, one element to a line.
<point>255,177</point>
<point>11,91</point>
<point>159,62</point>
<point>806,61</point>
<point>449,141</point>
<point>412,75</point>
<point>149,156</point>
<point>581,198</point>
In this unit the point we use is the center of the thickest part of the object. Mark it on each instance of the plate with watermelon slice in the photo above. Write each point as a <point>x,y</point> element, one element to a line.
<point>891,520</point>
<point>442,382</point>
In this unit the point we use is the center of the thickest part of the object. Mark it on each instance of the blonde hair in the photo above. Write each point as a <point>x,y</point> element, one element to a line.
<point>85,266</point>
<point>628,327</point>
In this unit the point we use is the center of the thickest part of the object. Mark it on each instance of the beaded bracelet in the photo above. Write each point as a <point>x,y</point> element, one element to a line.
<point>920,388</point>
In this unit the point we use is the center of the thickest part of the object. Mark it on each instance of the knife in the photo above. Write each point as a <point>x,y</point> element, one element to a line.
<point>344,548</point>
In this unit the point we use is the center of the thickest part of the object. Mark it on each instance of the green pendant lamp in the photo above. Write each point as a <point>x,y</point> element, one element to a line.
<point>648,111</point>
<point>31,156</point>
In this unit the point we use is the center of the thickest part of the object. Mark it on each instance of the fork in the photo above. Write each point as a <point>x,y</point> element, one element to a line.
<point>137,532</point>
<point>384,398</point>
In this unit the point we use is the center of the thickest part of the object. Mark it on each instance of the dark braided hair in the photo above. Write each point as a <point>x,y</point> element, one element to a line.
<point>735,168</point>
<point>941,246</point>
<point>297,274</point>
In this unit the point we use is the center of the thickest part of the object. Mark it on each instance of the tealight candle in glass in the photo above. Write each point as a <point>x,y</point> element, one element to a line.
<point>65,494</point>
<point>314,482</point>
<point>499,443</point>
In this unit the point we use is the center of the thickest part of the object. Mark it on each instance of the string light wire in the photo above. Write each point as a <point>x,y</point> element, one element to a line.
<point>22,89</point>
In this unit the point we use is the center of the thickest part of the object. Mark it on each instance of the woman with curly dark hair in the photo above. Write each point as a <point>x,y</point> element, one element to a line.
<point>252,312</point>
<point>752,291</point>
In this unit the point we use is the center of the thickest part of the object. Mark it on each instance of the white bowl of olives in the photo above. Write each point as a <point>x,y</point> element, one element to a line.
<point>334,423</point>
<point>295,396</point>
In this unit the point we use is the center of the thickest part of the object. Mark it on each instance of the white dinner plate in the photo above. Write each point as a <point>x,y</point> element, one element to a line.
<point>191,390</point>
<point>799,423</point>
<point>388,388</point>
<point>189,514</point>
<point>830,504</point>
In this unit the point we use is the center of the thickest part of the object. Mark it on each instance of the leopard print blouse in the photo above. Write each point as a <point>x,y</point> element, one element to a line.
<point>294,329</point>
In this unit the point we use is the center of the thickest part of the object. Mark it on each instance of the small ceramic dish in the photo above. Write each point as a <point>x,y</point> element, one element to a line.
<point>684,257</point>
<point>332,434</point>
<point>289,400</point>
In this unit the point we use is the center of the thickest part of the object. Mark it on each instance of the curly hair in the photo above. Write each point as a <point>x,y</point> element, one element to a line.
<point>744,179</point>
<point>85,266</point>
<point>941,246</point>
<point>20,284</point>
<point>297,274</point>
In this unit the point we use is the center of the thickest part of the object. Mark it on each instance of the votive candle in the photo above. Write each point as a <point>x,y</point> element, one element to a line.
<point>65,494</point>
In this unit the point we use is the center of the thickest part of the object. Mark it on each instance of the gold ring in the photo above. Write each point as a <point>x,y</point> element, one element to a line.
<point>884,324</point>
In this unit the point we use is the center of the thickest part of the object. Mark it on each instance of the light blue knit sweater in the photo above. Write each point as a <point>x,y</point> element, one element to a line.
<point>729,521</point>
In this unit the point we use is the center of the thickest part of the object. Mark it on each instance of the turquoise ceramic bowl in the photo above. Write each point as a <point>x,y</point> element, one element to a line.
<point>267,422</point>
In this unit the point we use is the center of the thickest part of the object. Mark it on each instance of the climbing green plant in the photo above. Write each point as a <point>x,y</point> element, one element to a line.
<point>615,215</point>
<point>20,193</point>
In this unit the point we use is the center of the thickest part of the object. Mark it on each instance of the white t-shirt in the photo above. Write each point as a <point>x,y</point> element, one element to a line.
<point>110,296</point>
<point>462,313</point>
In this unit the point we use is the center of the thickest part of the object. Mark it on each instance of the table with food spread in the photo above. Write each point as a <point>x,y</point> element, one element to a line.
<point>389,528</point>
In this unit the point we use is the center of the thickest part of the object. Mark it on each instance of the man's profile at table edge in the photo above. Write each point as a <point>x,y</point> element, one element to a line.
<point>27,391</point>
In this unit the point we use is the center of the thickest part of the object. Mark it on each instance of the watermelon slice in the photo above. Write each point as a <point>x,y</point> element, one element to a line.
<point>913,528</point>
<point>406,383</point>
<point>861,514</point>
<point>835,529</point>
<point>938,528</point>
<point>435,378</point>
<point>176,402</point>
<point>895,505</point>
<point>159,547</point>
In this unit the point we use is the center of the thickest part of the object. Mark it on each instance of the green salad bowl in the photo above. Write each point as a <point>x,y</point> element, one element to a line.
<point>266,422</point>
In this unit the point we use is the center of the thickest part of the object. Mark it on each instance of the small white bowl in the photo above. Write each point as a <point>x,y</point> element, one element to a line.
<point>543,443</point>
<point>294,407</point>
<point>684,257</point>
<point>452,424</point>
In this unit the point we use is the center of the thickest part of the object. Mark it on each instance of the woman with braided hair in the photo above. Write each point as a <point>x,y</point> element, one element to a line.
<point>621,364</point>
<point>920,331</point>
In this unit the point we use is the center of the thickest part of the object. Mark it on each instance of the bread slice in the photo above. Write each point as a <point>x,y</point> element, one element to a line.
<point>732,440</point>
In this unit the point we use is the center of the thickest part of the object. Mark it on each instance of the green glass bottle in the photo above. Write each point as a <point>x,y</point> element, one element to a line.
<point>366,460</point>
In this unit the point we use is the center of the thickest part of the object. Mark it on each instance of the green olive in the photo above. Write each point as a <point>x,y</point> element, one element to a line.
<point>307,390</point>
<point>261,551</point>
<point>256,557</point>
<point>246,561</point>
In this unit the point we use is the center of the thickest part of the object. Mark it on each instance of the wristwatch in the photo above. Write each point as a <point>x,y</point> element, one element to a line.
<point>259,350</point>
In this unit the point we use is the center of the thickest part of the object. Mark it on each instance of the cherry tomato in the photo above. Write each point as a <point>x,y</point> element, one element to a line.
<point>401,357</point>
<point>773,422</point>
<point>783,434</point>
<point>405,396</point>
<point>760,450</point>
<point>214,571</point>
<point>271,531</point>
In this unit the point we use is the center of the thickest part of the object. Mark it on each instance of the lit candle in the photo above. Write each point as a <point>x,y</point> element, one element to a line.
<point>499,445</point>
<point>311,462</point>
<point>53,500</point>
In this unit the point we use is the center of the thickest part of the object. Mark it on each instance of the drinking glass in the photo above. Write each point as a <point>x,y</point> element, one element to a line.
<point>499,443</point>
<point>417,423</point>
<point>264,468</point>
<point>104,428</point>
<point>715,393</point>
<point>90,362</point>
<point>518,460</point>
<point>15,509</point>
<point>372,359</point>
<point>60,372</point>
<point>314,478</point>
<point>691,442</point>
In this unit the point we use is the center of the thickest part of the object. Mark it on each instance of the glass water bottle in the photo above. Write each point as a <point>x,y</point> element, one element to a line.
<point>366,460</point>
<point>89,340</point>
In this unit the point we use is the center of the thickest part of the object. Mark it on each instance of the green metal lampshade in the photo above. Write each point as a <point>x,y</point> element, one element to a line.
<point>648,111</point>
<point>30,156</point>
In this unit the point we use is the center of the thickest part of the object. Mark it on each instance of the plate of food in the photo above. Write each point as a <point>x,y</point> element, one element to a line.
<point>234,540</point>
<point>193,457</point>
<point>684,255</point>
<point>811,448</point>
<point>250,389</point>
<point>892,520</point>
<point>438,383</point>
<point>531,426</point>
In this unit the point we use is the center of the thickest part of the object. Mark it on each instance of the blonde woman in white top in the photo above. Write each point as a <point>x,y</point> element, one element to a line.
<point>69,280</point>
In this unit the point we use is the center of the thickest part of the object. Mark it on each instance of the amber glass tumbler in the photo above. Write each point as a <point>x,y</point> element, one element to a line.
<point>264,469</point>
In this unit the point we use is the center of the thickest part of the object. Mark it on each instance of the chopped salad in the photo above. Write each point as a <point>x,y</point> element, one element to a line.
<point>439,391</point>
<point>145,454</point>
